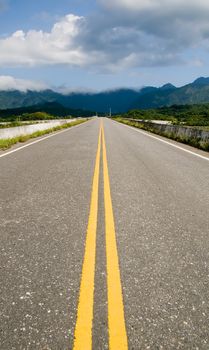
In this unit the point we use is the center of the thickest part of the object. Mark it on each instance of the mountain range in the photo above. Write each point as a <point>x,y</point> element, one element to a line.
<point>120,100</point>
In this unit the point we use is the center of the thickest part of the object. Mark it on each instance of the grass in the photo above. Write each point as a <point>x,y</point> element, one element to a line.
<point>7,143</point>
<point>10,125</point>
<point>195,142</point>
<point>19,123</point>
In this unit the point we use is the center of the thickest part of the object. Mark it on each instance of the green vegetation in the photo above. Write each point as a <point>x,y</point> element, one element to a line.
<point>18,119</point>
<point>10,125</point>
<point>16,123</point>
<point>194,141</point>
<point>37,116</point>
<point>46,111</point>
<point>7,143</point>
<point>191,115</point>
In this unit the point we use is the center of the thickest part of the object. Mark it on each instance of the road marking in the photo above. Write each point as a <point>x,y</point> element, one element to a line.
<point>83,328</point>
<point>166,142</point>
<point>116,320</point>
<point>39,140</point>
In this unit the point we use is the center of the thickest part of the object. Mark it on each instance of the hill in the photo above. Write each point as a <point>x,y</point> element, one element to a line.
<point>120,100</point>
<point>194,93</point>
<point>51,108</point>
<point>192,115</point>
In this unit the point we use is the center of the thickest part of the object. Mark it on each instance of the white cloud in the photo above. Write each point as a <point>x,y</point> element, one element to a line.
<point>123,34</point>
<point>129,4</point>
<point>10,83</point>
<point>37,47</point>
<point>141,5</point>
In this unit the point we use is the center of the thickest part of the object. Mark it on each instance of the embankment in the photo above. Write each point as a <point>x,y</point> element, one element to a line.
<point>188,135</point>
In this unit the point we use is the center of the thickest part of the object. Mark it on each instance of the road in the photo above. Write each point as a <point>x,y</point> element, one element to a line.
<point>104,242</point>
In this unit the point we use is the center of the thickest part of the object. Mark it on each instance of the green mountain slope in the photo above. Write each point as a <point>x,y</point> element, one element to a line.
<point>194,93</point>
<point>119,101</point>
<point>52,108</point>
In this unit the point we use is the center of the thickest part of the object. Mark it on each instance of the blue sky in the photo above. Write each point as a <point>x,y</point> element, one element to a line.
<point>102,44</point>
<point>24,14</point>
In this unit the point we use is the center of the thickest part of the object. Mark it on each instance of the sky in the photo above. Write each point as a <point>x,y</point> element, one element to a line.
<point>72,45</point>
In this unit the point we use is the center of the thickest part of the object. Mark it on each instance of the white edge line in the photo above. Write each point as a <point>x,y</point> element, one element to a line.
<point>164,141</point>
<point>39,140</point>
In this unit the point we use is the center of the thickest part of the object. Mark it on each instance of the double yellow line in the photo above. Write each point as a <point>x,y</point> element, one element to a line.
<point>116,319</point>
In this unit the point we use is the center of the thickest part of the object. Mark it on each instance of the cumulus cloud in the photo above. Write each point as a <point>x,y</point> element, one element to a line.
<point>38,48</point>
<point>10,83</point>
<point>122,34</point>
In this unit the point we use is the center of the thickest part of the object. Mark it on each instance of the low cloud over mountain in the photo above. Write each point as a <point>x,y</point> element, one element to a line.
<point>24,93</point>
<point>11,83</point>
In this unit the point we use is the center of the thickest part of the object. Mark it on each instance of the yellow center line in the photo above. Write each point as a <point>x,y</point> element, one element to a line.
<point>116,320</point>
<point>83,328</point>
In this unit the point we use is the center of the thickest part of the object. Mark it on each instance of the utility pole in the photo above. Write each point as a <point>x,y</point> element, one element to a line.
<point>110,115</point>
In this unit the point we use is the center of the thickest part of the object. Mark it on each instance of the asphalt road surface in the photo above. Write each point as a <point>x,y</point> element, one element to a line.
<point>104,242</point>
